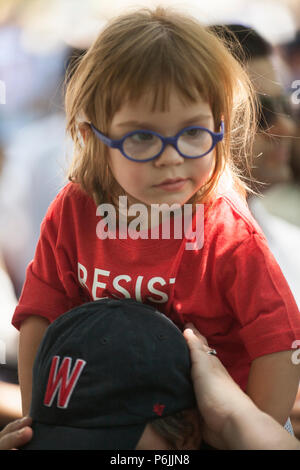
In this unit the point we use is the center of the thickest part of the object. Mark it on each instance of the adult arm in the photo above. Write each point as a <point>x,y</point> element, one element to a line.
<point>255,430</point>
<point>231,419</point>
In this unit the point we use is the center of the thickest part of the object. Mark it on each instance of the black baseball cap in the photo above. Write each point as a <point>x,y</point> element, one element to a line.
<point>102,372</point>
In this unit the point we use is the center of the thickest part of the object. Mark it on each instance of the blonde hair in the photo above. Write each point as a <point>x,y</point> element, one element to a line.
<point>158,51</point>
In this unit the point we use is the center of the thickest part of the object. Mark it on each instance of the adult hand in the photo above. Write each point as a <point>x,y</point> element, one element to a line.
<point>231,419</point>
<point>16,434</point>
<point>218,396</point>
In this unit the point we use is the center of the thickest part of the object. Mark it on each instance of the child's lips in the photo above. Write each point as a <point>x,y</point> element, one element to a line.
<point>172,184</point>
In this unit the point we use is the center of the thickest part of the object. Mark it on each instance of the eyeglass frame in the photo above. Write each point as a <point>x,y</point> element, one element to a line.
<point>118,143</point>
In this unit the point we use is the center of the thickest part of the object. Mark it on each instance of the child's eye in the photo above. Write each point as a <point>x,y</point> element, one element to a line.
<point>142,137</point>
<point>193,133</point>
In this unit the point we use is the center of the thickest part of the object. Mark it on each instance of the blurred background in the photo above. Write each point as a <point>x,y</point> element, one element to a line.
<point>38,40</point>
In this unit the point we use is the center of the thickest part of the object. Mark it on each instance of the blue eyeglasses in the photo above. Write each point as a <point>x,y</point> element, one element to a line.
<point>145,145</point>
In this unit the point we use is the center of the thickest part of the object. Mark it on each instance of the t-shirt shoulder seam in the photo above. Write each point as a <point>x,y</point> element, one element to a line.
<point>58,203</point>
<point>252,230</point>
<point>71,190</point>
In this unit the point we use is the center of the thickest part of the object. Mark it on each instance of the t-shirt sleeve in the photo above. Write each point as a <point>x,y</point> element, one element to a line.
<point>46,292</point>
<point>261,299</point>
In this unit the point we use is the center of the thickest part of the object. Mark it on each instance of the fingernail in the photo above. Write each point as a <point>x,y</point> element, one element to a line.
<point>189,331</point>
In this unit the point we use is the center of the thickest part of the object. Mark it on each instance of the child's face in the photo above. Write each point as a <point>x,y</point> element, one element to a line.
<point>142,181</point>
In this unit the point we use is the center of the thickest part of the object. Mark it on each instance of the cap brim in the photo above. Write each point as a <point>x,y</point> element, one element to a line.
<point>52,437</point>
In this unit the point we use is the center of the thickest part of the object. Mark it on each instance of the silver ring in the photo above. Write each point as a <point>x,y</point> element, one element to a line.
<point>212,352</point>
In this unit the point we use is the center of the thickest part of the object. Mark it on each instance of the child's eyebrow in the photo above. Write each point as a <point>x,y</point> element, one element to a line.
<point>146,125</point>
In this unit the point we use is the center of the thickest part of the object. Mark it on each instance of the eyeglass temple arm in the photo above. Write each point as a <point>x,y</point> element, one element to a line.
<point>219,135</point>
<point>111,143</point>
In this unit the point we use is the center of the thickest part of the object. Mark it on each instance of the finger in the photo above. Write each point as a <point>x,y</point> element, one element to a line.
<point>196,332</point>
<point>16,439</point>
<point>15,425</point>
<point>198,352</point>
<point>195,343</point>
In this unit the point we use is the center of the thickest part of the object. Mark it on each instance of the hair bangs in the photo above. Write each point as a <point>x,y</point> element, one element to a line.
<point>156,69</point>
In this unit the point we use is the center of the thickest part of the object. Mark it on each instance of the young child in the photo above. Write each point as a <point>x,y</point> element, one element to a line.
<point>151,74</point>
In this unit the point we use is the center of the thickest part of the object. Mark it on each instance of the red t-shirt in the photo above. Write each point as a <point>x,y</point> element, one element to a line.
<point>232,289</point>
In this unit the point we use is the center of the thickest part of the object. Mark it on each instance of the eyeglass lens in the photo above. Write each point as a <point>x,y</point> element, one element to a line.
<point>191,143</point>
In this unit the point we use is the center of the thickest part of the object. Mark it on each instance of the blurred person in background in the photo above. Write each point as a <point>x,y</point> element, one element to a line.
<point>273,150</point>
<point>290,54</point>
<point>33,133</point>
<point>29,70</point>
<point>283,199</point>
<point>32,140</point>
<point>10,403</point>
<point>272,146</point>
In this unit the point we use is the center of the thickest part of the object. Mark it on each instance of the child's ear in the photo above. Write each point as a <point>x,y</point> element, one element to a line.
<point>84,129</point>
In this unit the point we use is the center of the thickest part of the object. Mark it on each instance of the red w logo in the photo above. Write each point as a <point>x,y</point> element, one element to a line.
<point>158,409</point>
<point>62,381</point>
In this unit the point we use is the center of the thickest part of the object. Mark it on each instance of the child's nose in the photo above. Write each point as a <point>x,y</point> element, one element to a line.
<point>169,156</point>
